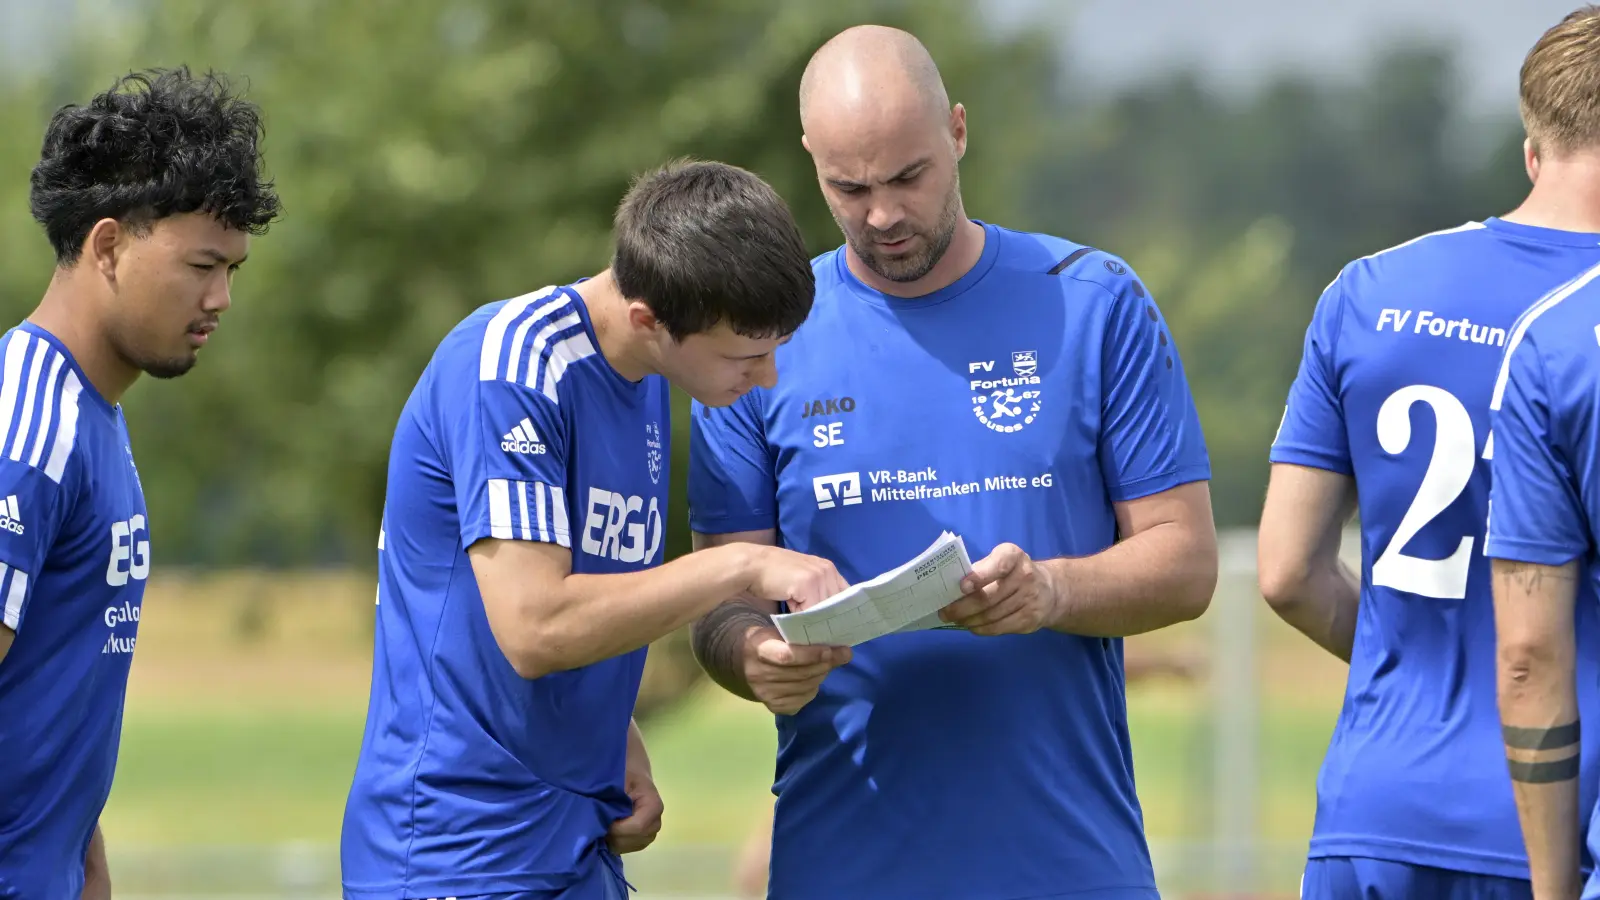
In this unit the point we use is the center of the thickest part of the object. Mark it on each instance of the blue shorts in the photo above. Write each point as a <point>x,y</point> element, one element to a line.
<point>1359,878</point>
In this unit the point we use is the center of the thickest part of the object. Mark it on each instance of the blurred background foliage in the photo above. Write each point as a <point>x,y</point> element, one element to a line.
<point>440,154</point>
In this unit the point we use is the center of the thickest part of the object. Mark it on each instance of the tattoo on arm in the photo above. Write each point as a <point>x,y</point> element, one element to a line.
<point>718,641</point>
<point>1543,771</point>
<point>1529,578</point>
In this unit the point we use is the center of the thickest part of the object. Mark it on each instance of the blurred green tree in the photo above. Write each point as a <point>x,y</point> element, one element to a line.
<point>435,156</point>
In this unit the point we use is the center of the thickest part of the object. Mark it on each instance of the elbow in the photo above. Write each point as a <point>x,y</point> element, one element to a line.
<point>532,657</point>
<point>1282,582</point>
<point>1528,664</point>
<point>1197,589</point>
<point>533,646</point>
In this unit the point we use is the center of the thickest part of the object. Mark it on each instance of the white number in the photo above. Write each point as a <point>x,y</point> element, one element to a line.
<point>1449,471</point>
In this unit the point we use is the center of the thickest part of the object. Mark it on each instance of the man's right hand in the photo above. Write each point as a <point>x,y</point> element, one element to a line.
<point>799,580</point>
<point>784,676</point>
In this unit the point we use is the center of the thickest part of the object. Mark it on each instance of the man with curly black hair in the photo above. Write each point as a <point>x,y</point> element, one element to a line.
<point>149,194</point>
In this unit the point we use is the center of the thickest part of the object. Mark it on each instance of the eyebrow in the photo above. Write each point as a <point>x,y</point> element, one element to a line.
<point>784,340</point>
<point>905,171</point>
<point>219,256</point>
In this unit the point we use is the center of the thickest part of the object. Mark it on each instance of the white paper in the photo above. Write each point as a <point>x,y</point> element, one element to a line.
<point>906,598</point>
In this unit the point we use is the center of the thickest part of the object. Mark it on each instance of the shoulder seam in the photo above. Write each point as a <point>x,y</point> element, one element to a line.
<point>33,379</point>
<point>1519,328</point>
<point>532,340</point>
<point>1459,229</point>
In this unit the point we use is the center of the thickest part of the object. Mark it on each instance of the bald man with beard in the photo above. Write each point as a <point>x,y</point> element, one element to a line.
<point>1021,391</point>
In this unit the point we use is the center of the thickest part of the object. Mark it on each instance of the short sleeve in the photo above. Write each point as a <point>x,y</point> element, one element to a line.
<point>1312,432</point>
<point>732,482</point>
<point>509,465</point>
<point>1150,438</point>
<point>1535,508</point>
<point>32,511</point>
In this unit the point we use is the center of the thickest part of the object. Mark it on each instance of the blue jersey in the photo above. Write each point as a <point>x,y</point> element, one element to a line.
<point>74,556</point>
<point>472,779</point>
<point>1546,500</point>
<point>1394,389</point>
<point>1016,405</point>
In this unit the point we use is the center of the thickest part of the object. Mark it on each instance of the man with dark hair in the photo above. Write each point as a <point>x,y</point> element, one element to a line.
<point>520,554</point>
<point>148,194</point>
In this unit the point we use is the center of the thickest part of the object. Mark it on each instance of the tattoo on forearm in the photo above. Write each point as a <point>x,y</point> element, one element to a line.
<point>1558,738</point>
<point>718,641</point>
<point>1542,771</point>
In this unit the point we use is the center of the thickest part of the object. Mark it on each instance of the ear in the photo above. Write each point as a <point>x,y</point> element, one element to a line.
<point>640,318</point>
<point>104,246</point>
<point>1530,159</point>
<point>958,129</point>
<point>805,142</point>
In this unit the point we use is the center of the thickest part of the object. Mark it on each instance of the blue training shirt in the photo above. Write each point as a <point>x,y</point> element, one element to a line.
<point>472,779</point>
<point>1545,504</point>
<point>1394,390</point>
<point>1016,405</point>
<point>74,556</point>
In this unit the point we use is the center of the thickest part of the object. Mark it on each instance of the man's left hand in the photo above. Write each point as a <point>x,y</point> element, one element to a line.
<point>639,829</point>
<point>1007,592</point>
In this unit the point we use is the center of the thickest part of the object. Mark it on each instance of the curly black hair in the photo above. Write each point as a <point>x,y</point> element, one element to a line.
<point>157,143</point>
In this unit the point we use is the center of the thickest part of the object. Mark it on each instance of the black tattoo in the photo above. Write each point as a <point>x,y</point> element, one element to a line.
<point>1529,577</point>
<point>1544,772</point>
<point>718,641</point>
<point>1557,738</point>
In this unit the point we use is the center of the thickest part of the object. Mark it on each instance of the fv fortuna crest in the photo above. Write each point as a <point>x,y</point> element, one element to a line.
<point>652,455</point>
<point>1010,402</point>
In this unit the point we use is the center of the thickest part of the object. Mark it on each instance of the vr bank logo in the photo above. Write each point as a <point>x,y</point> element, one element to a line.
<point>837,490</point>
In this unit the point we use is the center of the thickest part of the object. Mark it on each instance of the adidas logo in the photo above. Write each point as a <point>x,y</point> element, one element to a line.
<point>522,439</point>
<point>10,518</point>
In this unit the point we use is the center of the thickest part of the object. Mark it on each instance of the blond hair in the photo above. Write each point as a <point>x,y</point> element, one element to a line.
<point>1560,90</point>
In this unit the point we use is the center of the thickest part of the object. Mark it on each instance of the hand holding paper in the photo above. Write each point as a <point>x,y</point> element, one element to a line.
<point>907,598</point>
<point>1006,593</point>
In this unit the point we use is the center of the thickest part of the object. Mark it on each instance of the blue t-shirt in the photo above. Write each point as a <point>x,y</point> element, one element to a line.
<point>472,779</point>
<point>1016,405</point>
<point>1546,499</point>
<point>1394,389</point>
<point>74,556</point>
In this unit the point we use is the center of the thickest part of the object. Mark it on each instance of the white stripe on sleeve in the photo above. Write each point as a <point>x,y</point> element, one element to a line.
<point>522,508</point>
<point>48,415</point>
<point>499,509</point>
<point>67,434</point>
<point>542,513</point>
<point>14,598</point>
<point>16,351</point>
<point>558,509</point>
<point>25,421</point>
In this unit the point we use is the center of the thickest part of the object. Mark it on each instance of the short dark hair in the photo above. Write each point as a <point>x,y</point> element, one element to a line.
<point>703,243</point>
<point>157,143</point>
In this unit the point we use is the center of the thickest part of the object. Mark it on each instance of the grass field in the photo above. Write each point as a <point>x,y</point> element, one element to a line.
<point>241,731</point>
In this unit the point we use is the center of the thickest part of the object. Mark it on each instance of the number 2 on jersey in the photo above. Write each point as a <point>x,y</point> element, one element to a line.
<point>1449,470</point>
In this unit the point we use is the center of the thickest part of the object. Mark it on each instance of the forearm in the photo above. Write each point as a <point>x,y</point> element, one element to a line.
<point>1158,577</point>
<point>718,641</point>
<point>1322,605</point>
<point>1539,715</point>
<point>589,618</point>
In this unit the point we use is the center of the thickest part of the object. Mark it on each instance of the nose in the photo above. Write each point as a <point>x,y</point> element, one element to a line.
<point>219,296</point>
<point>766,374</point>
<point>884,213</point>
